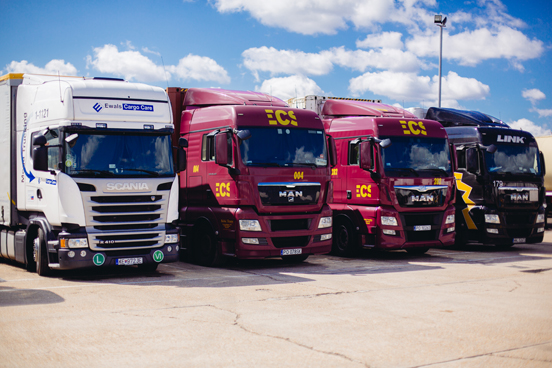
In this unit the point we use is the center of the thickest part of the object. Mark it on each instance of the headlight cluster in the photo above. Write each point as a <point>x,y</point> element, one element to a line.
<point>250,225</point>
<point>325,222</point>
<point>171,238</point>
<point>540,217</point>
<point>389,221</point>
<point>74,243</point>
<point>492,219</point>
<point>450,219</point>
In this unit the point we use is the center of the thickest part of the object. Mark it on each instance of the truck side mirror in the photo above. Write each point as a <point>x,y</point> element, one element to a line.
<point>181,161</point>
<point>182,142</point>
<point>472,160</point>
<point>332,151</point>
<point>543,163</point>
<point>366,156</point>
<point>221,149</point>
<point>40,158</point>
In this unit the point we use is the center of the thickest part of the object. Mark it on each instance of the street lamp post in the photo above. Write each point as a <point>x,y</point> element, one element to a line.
<point>441,23</point>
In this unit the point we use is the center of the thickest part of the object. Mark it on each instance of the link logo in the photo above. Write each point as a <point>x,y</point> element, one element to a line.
<point>413,127</point>
<point>97,107</point>
<point>364,191</point>
<point>281,117</point>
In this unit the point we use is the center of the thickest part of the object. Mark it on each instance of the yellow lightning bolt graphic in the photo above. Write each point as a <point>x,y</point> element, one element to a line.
<point>466,197</point>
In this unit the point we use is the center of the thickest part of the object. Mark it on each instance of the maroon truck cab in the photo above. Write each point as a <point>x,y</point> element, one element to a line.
<point>257,177</point>
<point>393,183</point>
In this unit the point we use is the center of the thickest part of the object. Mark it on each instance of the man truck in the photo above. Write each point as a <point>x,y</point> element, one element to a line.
<point>393,183</point>
<point>545,145</point>
<point>257,178</point>
<point>87,176</point>
<point>500,172</point>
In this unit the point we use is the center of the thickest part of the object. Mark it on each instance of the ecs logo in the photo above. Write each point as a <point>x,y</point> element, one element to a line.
<point>363,191</point>
<point>413,127</point>
<point>222,190</point>
<point>280,116</point>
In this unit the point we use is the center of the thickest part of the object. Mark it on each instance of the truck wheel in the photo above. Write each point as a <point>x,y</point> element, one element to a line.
<point>344,239</point>
<point>295,259</point>
<point>41,255</point>
<point>30,256</point>
<point>205,247</point>
<point>417,251</point>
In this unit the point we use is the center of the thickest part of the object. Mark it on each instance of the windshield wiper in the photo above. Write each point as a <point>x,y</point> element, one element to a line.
<point>274,164</point>
<point>437,170</point>
<point>405,169</point>
<point>97,172</point>
<point>314,166</point>
<point>154,173</point>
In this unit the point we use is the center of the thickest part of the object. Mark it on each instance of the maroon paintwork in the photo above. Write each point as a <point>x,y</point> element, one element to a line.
<point>364,198</point>
<point>213,193</point>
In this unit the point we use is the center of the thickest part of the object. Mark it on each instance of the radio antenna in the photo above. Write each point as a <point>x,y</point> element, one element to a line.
<point>165,70</point>
<point>59,83</point>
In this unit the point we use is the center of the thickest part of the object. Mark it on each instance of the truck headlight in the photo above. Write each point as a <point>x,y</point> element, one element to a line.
<point>450,219</point>
<point>492,219</point>
<point>540,217</point>
<point>389,221</point>
<point>171,238</point>
<point>325,222</point>
<point>250,225</point>
<point>76,243</point>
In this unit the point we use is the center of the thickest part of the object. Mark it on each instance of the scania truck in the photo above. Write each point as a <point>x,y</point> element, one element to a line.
<point>393,183</point>
<point>499,179</point>
<point>87,176</point>
<point>257,180</point>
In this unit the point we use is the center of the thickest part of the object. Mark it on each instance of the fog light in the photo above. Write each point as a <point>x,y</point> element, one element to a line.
<point>450,219</point>
<point>326,237</point>
<point>177,248</point>
<point>450,229</point>
<point>389,232</point>
<point>492,219</point>
<point>250,241</point>
<point>83,253</point>
<point>492,231</point>
<point>540,217</point>
<point>71,254</point>
<point>169,249</point>
<point>540,230</point>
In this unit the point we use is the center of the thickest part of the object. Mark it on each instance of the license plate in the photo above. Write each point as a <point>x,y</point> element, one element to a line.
<point>422,227</point>
<point>129,261</point>
<point>290,252</point>
<point>520,240</point>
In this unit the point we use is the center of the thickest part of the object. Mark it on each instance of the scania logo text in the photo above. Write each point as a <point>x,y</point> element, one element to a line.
<point>127,186</point>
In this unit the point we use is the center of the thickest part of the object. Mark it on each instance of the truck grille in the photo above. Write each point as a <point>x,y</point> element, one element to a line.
<point>421,195</point>
<point>411,220</point>
<point>119,221</point>
<point>288,225</point>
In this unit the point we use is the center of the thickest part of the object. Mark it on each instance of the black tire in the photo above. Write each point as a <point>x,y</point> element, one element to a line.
<point>41,254</point>
<point>344,239</point>
<point>206,250</point>
<point>295,259</point>
<point>30,256</point>
<point>417,251</point>
<point>148,267</point>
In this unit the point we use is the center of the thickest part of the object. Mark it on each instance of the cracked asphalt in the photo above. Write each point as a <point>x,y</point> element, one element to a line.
<point>473,307</point>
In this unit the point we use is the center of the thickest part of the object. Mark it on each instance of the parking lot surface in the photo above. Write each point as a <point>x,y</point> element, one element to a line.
<point>478,306</point>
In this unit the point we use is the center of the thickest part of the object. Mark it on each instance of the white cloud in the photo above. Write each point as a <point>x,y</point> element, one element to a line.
<point>543,112</point>
<point>471,47</point>
<point>412,87</point>
<point>200,68</point>
<point>529,126</point>
<point>288,87</point>
<point>52,67</point>
<point>533,95</point>
<point>391,40</point>
<point>132,65</point>
<point>269,59</point>
<point>148,51</point>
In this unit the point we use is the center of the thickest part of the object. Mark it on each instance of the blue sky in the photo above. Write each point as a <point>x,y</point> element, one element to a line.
<point>497,55</point>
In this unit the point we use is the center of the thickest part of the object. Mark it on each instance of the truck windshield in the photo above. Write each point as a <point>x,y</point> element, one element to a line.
<point>107,155</point>
<point>284,147</point>
<point>515,159</point>
<point>412,156</point>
